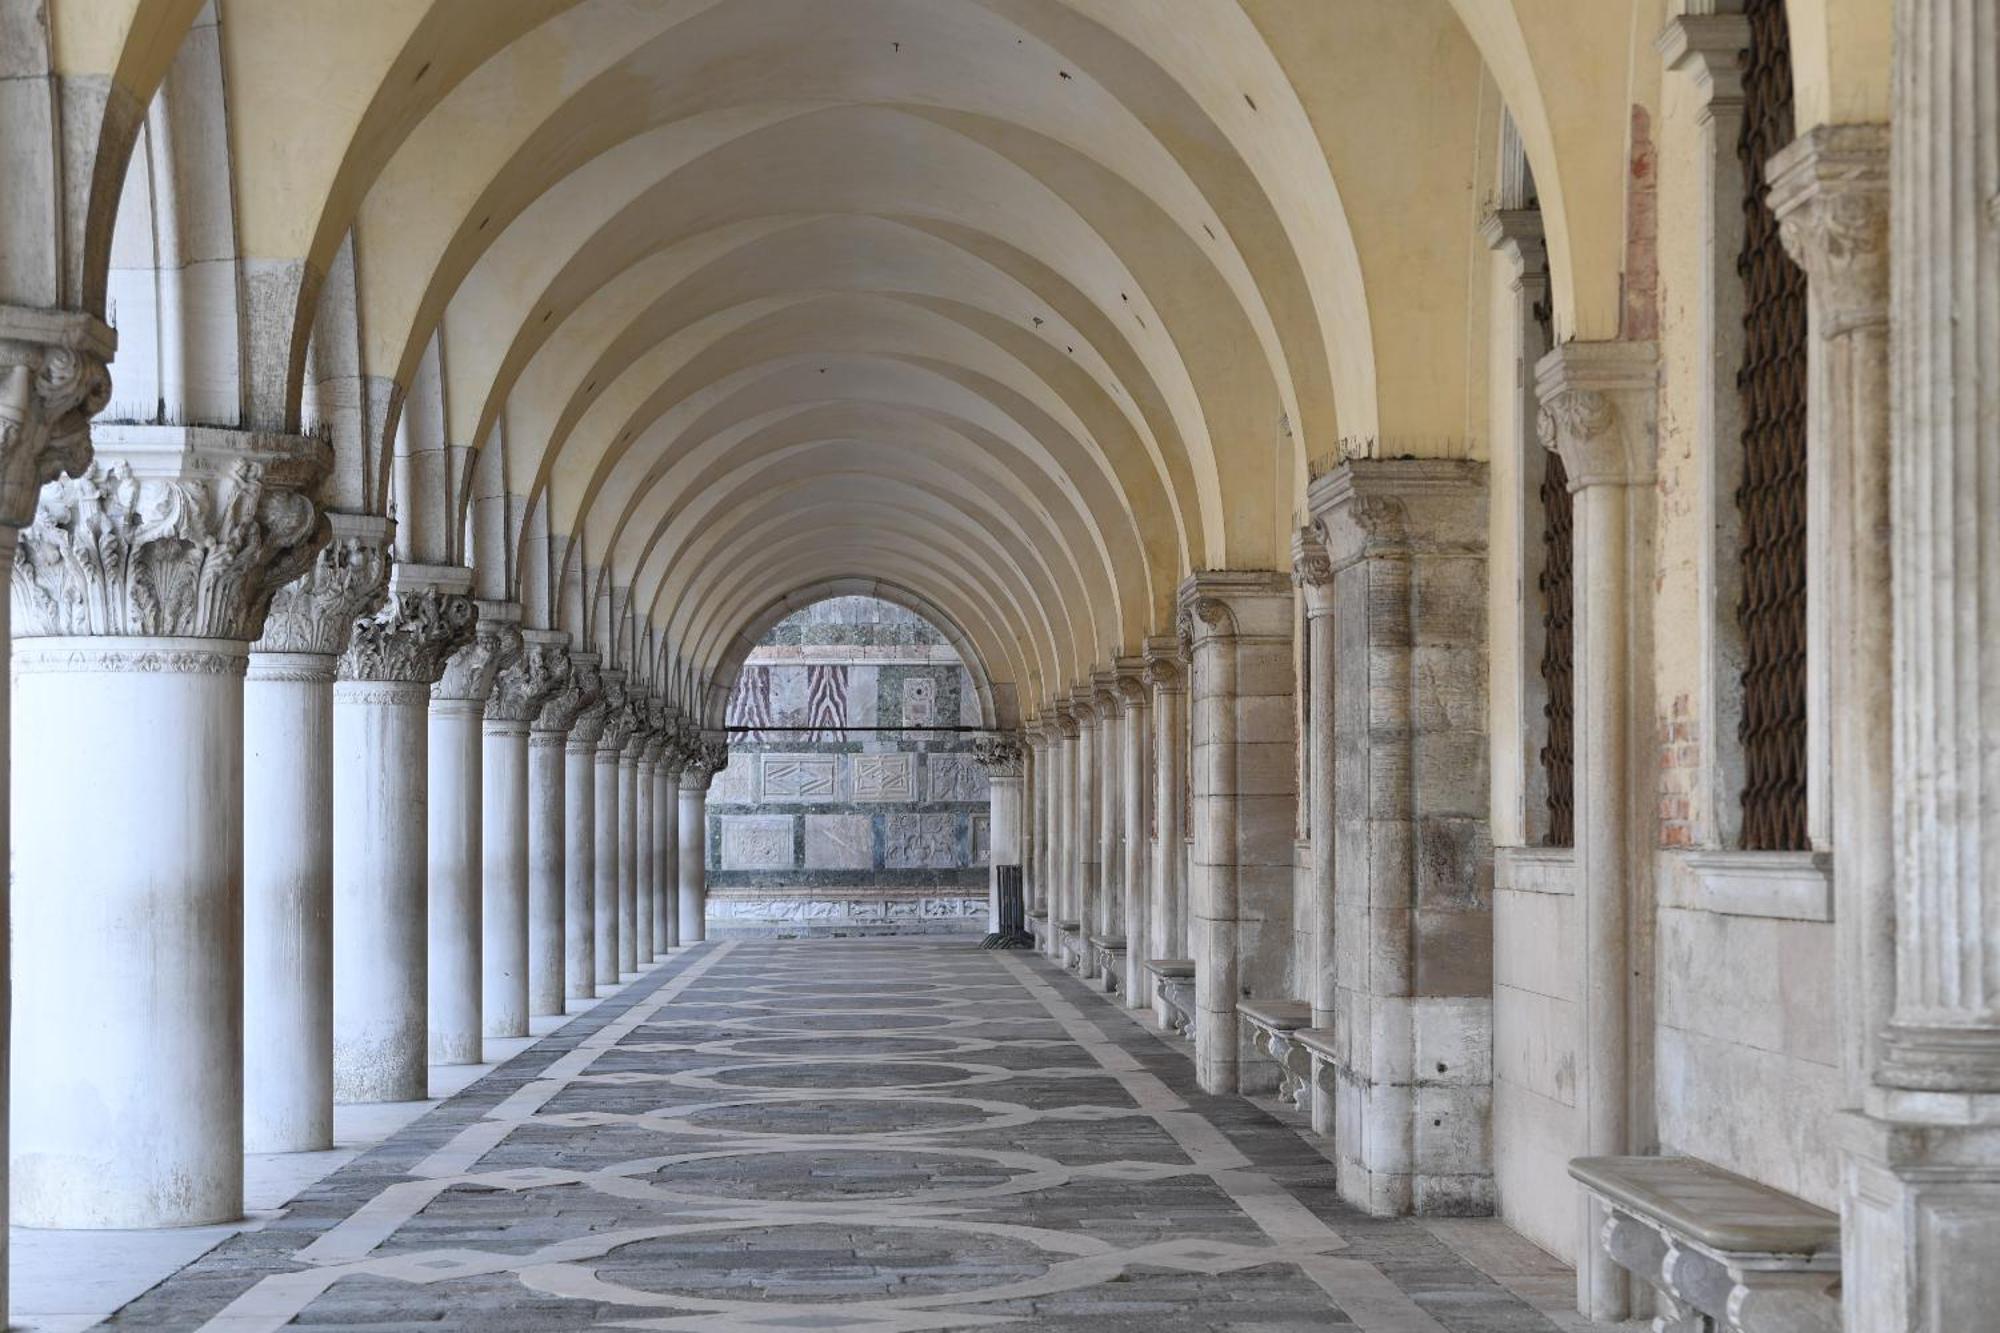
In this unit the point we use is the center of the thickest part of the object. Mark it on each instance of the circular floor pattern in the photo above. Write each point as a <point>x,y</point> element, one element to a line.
<point>843,1115</point>
<point>837,1172</point>
<point>839,1075</point>
<point>876,1046</point>
<point>847,1025</point>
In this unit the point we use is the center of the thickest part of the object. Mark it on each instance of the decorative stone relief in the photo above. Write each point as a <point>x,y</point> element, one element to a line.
<point>756,842</point>
<point>912,842</point>
<point>348,579</point>
<point>597,725</point>
<point>840,842</point>
<point>188,537</point>
<point>53,380</point>
<point>578,692</point>
<point>955,777</point>
<point>410,638</point>
<point>798,777</point>
<point>470,672</point>
<point>703,761</point>
<point>919,701</point>
<point>982,839</point>
<point>527,685</point>
<point>882,777</point>
<point>1000,755</point>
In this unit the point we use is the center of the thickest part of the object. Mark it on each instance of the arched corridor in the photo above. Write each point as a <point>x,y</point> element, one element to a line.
<point>1418,568</point>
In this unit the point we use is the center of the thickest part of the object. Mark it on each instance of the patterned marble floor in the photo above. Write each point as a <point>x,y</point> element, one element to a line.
<point>858,1135</point>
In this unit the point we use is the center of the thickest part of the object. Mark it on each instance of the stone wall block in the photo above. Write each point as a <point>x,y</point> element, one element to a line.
<point>1454,954</point>
<point>1454,863</point>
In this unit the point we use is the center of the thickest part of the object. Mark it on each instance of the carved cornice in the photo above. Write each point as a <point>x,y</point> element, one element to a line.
<point>525,686</point>
<point>1104,694</point>
<point>496,645</point>
<point>1377,506</point>
<point>1312,570</point>
<point>53,380</point>
<point>1830,194</point>
<point>1166,664</point>
<point>411,637</point>
<point>172,533</point>
<point>1254,605</point>
<point>1598,403</point>
<point>1708,48</point>
<point>348,579</point>
<point>1063,719</point>
<point>1130,682</point>
<point>999,753</point>
<point>579,693</point>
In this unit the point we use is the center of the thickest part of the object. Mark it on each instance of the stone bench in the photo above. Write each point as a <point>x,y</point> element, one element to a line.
<point>1322,1059</point>
<point>1725,1254</point>
<point>1109,952</point>
<point>1038,925</point>
<point>1173,985</point>
<point>1272,1023</point>
<point>1069,941</point>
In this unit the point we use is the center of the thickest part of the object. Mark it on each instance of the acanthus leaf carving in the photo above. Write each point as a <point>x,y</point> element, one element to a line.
<point>194,554</point>
<point>470,672</point>
<point>579,693</point>
<point>315,613</point>
<point>54,377</point>
<point>525,687</point>
<point>999,753</point>
<point>410,638</point>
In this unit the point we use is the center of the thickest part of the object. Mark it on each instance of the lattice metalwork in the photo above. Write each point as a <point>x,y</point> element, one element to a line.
<point>1771,501</point>
<point>1559,712</point>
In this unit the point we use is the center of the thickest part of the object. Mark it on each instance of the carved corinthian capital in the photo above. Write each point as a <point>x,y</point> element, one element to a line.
<point>1598,401</point>
<point>348,579</point>
<point>999,754</point>
<point>1830,193</point>
<point>412,636</point>
<point>579,693</point>
<point>609,725</point>
<point>1312,569</point>
<point>525,686</point>
<point>703,761</point>
<point>172,532</point>
<point>496,645</point>
<point>53,380</point>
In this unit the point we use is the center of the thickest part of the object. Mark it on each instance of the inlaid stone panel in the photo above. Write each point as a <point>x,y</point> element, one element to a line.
<point>798,777</point>
<point>955,777</point>
<point>757,842</point>
<point>840,842</point>
<point>882,777</point>
<point>921,842</point>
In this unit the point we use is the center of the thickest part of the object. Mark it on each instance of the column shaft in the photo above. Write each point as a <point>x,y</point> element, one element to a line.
<point>128,1002</point>
<point>504,823</point>
<point>642,859</point>
<point>1135,791</point>
<point>547,820</point>
<point>668,814</point>
<point>605,917</point>
<point>628,865</point>
<point>454,897</point>
<point>694,862</point>
<point>288,903</point>
<point>1168,889</point>
<point>1084,846</point>
<point>1110,807</point>
<point>580,868</point>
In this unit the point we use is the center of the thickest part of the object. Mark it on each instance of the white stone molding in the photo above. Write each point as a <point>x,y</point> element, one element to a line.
<point>427,617</point>
<point>348,579</point>
<point>171,532</point>
<point>53,380</point>
<point>1830,192</point>
<point>1788,886</point>
<point>524,688</point>
<point>496,645</point>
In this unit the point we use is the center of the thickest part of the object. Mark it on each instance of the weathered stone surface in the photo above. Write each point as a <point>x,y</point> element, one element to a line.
<point>756,842</point>
<point>840,842</point>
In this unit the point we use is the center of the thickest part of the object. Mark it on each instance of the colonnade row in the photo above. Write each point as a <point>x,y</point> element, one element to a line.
<point>292,821</point>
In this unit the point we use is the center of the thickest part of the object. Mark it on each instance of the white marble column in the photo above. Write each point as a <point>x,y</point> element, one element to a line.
<point>648,746</point>
<point>616,730</point>
<point>52,381</point>
<point>1035,874</point>
<point>1110,918</point>
<point>580,829</point>
<point>667,817</point>
<point>1000,756</point>
<point>520,690</point>
<point>1166,676</point>
<point>1135,790</point>
<point>457,932</point>
<point>548,823</point>
<point>1598,401</point>
<point>628,851</point>
<point>706,759</point>
<point>381,706</point>
<point>137,591</point>
<point>288,838</point>
<point>1239,626</point>
<point>1921,1172</point>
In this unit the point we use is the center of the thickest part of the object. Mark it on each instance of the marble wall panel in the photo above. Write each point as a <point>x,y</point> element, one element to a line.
<point>757,842</point>
<point>921,841</point>
<point>734,785</point>
<point>798,778</point>
<point>954,777</point>
<point>882,777</point>
<point>840,842</point>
